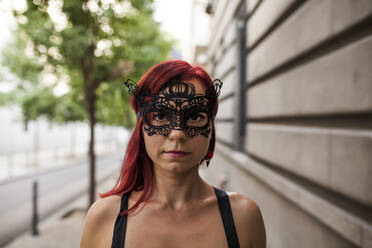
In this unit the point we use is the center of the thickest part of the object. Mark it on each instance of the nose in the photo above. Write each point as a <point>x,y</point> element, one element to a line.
<point>178,135</point>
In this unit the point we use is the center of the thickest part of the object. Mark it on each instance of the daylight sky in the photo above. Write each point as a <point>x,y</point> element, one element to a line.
<point>174,16</point>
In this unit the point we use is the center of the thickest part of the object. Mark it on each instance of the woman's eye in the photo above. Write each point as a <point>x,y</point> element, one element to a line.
<point>159,117</point>
<point>195,117</point>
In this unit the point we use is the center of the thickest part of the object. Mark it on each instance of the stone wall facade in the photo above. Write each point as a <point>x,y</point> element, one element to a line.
<point>294,128</point>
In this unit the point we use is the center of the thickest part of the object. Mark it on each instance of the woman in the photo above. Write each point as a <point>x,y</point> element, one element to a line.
<point>160,200</point>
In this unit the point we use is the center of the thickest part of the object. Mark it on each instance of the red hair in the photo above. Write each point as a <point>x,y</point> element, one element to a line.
<point>136,172</point>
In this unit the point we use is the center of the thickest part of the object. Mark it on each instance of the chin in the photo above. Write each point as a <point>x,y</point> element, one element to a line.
<point>177,167</point>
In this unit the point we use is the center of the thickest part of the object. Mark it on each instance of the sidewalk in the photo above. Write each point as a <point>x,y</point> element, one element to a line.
<point>63,228</point>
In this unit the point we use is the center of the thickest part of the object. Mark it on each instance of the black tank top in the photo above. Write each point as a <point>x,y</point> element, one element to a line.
<point>223,205</point>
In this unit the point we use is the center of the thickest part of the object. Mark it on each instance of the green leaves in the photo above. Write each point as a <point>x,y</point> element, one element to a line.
<point>20,64</point>
<point>37,102</point>
<point>96,44</point>
<point>70,107</point>
<point>119,112</point>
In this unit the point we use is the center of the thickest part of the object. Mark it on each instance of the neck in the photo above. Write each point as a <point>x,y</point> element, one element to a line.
<point>175,190</point>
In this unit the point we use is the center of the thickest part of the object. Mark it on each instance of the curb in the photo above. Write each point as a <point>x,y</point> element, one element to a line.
<point>64,227</point>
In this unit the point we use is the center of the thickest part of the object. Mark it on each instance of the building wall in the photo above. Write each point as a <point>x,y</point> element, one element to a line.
<point>304,149</point>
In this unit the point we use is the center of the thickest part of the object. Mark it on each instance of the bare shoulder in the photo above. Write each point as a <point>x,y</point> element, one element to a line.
<point>243,206</point>
<point>248,221</point>
<point>105,207</point>
<point>99,222</point>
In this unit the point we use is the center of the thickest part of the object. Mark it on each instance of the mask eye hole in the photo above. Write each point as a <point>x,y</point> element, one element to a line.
<point>197,119</point>
<point>158,118</point>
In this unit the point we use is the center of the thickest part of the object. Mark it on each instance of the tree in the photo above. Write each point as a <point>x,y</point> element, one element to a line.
<point>95,44</point>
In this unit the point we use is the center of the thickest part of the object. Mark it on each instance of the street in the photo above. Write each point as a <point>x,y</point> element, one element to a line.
<point>56,188</point>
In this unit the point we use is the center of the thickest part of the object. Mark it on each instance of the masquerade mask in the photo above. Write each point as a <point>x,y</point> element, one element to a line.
<point>176,107</point>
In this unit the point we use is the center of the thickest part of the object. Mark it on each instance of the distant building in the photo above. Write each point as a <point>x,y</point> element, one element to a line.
<point>199,33</point>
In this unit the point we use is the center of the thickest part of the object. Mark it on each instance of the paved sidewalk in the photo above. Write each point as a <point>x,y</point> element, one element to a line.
<point>62,229</point>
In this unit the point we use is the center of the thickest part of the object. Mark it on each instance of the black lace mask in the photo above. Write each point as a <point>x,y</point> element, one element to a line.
<point>176,107</point>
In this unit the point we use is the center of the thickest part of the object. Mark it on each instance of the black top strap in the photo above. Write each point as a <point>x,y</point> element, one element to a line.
<point>120,227</point>
<point>227,218</point>
<point>118,238</point>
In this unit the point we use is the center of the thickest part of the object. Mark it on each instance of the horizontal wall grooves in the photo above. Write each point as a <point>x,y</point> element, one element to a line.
<point>214,60</point>
<point>227,72</point>
<point>344,120</point>
<point>225,143</point>
<point>355,208</point>
<point>347,218</point>
<point>305,155</point>
<point>223,120</point>
<point>228,46</point>
<point>348,36</point>
<point>248,16</point>
<point>293,8</point>
<point>225,97</point>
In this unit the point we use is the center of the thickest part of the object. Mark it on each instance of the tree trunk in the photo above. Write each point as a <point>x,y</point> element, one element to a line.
<point>90,99</point>
<point>92,156</point>
<point>90,87</point>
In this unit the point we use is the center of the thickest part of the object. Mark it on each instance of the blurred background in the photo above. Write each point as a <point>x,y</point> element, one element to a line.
<point>293,127</point>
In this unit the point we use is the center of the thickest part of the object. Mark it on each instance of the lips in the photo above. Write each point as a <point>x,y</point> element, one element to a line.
<point>177,153</point>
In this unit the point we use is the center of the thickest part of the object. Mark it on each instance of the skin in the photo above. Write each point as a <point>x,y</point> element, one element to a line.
<point>183,209</point>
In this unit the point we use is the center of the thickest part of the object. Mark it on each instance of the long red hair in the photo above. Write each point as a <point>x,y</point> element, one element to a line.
<point>136,172</point>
